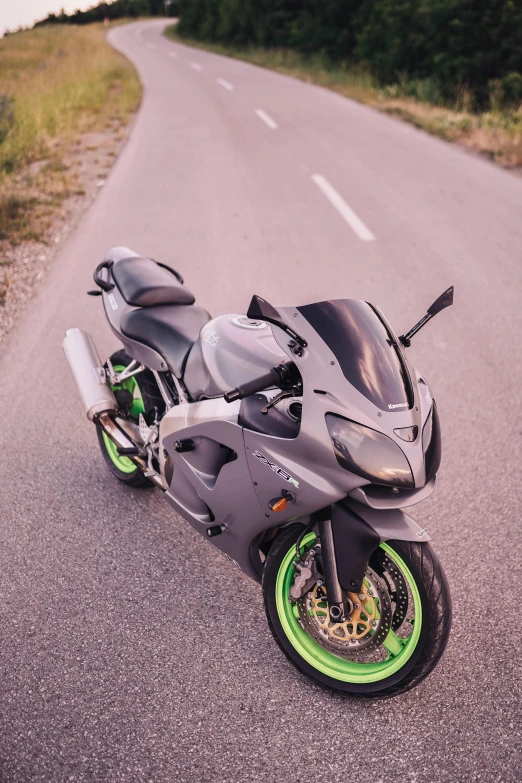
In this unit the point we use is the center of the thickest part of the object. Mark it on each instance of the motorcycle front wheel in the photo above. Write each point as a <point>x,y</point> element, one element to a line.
<point>395,636</point>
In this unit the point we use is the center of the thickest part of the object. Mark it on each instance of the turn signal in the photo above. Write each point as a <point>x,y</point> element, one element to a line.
<point>277,504</point>
<point>409,434</point>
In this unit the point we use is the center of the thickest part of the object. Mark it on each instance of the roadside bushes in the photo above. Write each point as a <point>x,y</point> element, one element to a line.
<point>56,83</point>
<point>461,52</point>
<point>506,93</point>
<point>467,51</point>
<point>6,116</point>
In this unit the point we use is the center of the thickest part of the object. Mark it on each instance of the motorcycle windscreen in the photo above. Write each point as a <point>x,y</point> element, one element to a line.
<point>365,350</point>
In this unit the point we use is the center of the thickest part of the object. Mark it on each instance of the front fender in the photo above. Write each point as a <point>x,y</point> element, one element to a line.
<point>389,523</point>
<point>357,532</point>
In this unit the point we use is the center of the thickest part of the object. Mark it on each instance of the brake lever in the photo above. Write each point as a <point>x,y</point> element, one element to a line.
<point>276,399</point>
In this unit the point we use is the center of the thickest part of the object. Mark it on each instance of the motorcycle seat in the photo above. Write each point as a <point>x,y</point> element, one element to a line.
<point>143,283</point>
<point>169,329</point>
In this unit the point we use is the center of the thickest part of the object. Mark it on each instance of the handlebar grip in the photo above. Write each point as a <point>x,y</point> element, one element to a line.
<point>251,387</point>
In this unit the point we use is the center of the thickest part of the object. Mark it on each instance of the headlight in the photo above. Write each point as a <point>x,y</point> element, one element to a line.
<point>431,443</point>
<point>368,453</point>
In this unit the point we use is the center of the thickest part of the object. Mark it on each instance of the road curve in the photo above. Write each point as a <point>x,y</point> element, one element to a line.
<point>130,649</point>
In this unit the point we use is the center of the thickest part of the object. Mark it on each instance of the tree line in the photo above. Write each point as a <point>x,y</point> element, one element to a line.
<point>463,47</point>
<point>115,10</point>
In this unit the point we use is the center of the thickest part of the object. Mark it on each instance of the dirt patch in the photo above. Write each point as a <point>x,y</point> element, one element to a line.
<point>83,171</point>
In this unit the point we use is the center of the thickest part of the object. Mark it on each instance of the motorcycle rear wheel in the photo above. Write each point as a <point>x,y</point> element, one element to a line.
<point>409,652</point>
<point>146,395</point>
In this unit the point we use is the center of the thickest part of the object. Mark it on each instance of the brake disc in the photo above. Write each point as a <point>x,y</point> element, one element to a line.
<point>397,588</point>
<point>363,631</point>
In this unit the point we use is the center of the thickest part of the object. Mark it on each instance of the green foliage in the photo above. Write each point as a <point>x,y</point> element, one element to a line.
<point>57,83</point>
<point>506,93</point>
<point>6,116</point>
<point>463,51</point>
<point>116,10</point>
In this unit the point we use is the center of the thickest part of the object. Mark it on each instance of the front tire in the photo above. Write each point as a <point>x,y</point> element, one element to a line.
<point>410,590</point>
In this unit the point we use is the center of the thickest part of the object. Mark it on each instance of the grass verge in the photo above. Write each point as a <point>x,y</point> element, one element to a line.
<point>56,83</point>
<point>496,133</point>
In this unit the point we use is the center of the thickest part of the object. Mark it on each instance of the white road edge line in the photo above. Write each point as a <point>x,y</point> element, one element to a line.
<point>196,66</point>
<point>342,207</point>
<point>173,54</point>
<point>225,84</point>
<point>266,119</point>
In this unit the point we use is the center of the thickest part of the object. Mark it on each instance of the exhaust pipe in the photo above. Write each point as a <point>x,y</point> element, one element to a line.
<point>97,397</point>
<point>88,372</point>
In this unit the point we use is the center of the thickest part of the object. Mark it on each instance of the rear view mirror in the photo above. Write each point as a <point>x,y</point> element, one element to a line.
<point>262,310</point>
<point>444,300</point>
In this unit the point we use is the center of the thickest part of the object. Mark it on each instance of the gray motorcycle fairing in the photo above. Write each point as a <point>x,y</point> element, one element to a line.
<point>234,473</point>
<point>238,493</point>
<point>231,491</point>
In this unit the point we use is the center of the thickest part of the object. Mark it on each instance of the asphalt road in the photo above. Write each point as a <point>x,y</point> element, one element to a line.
<point>130,649</point>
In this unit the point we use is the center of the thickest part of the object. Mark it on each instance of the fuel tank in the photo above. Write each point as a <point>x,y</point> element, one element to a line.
<point>231,350</point>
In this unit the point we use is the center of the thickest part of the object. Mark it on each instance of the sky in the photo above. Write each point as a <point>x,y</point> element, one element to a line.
<point>14,13</point>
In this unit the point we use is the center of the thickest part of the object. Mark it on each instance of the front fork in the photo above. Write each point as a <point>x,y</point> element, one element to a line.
<point>349,533</point>
<point>336,603</point>
<point>347,544</point>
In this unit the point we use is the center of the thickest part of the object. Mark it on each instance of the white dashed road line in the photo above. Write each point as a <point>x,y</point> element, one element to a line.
<point>152,46</point>
<point>266,119</point>
<point>196,66</point>
<point>225,84</point>
<point>342,207</point>
<point>173,54</point>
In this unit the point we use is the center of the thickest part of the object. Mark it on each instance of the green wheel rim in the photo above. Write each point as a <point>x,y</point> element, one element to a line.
<point>124,463</point>
<point>399,650</point>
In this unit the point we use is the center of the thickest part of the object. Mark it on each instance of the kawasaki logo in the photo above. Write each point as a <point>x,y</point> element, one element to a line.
<point>280,472</point>
<point>397,405</point>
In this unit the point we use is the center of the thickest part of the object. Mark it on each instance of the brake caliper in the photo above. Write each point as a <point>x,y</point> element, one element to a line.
<point>306,575</point>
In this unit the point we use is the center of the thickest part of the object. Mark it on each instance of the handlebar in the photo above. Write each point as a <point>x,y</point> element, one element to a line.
<point>282,376</point>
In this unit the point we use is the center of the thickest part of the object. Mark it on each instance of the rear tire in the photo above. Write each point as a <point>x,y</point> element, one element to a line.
<point>407,656</point>
<point>146,396</point>
<point>131,475</point>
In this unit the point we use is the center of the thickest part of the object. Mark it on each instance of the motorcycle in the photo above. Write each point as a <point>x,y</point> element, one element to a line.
<point>291,438</point>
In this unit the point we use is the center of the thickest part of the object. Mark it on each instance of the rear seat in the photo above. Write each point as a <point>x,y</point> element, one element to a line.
<point>142,282</point>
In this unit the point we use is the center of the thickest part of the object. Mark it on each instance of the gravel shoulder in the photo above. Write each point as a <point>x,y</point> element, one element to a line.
<point>66,100</point>
<point>25,265</point>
